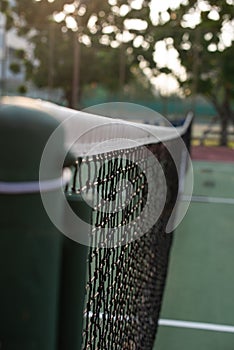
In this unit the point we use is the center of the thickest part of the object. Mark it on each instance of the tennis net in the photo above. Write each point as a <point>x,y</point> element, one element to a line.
<point>129,250</point>
<point>125,282</point>
<point>132,189</point>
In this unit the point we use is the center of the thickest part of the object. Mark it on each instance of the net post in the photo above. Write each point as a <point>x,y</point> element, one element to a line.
<point>73,278</point>
<point>30,245</point>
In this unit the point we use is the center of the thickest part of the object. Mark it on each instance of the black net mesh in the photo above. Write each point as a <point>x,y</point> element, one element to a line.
<point>127,266</point>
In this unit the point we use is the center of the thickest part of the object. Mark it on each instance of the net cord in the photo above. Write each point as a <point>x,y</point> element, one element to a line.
<point>35,186</point>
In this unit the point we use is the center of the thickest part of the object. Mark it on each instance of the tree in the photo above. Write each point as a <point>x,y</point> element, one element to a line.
<point>197,31</point>
<point>78,43</point>
<point>70,44</point>
<point>58,31</point>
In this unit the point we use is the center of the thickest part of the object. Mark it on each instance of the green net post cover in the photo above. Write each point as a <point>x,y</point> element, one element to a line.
<point>30,245</point>
<point>73,278</point>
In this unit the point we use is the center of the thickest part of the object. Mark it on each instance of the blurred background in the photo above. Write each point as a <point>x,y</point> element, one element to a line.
<point>171,56</point>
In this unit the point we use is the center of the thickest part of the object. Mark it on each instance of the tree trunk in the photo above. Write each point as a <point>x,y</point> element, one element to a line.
<point>225,114</point>
<point>226,117</point>
<point>224,130</point>
<point>68,96</point>
<point>3,59</point>
<point>51,59</point>
<point>122,67</point>
<point>76,73</point>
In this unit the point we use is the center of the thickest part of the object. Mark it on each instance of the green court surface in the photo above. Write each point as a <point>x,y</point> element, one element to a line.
<point>200,285</point>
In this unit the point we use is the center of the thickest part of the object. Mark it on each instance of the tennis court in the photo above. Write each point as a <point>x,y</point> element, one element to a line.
<point>200,284</point>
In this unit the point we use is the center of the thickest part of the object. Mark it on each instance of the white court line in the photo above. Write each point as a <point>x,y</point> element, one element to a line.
<point>175,323</point>
<point>204,199</point>
<point>197,325</point>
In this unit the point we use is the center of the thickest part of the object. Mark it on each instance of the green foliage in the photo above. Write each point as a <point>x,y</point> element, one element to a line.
<point>15,67</point>
<point>6,9</point>
<point>203,63</point>
<point>208,62</point>
<point>22,89</point>
<point>20,54</point>
<point>53,63</point>
<point>4,6</point>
